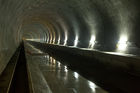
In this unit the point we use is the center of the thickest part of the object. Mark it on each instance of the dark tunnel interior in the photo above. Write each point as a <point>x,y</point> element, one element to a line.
<point>107,26</point>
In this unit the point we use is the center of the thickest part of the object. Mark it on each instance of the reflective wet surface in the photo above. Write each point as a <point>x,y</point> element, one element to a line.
<point>116,73</point>
<point>48,74</point>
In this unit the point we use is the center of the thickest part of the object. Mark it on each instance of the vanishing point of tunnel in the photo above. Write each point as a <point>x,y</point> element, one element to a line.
<point>69,46</point>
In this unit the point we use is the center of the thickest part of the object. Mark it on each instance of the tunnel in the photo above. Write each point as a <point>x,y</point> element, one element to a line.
<point>69,46</point>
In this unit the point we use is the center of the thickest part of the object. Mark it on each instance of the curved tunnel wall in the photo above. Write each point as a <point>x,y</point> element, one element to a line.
<point>34,32</point>
<point>106,25</point>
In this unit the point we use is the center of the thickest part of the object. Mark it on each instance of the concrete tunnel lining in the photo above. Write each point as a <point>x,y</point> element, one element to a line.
<point>94,24</point>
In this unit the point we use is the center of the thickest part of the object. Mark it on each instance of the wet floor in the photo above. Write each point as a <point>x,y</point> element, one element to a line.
<point>48,75</point>
<point>114,73</point>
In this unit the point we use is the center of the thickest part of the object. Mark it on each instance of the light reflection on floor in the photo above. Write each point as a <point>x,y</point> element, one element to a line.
<point>69,79</point>
<point>59,77</point>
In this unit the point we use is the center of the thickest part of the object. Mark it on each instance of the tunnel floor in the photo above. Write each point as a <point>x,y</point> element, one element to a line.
<point>50,75</point>
<point>34,71</point>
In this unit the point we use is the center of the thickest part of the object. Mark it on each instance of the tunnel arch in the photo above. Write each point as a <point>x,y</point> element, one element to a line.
<point>104,25</point>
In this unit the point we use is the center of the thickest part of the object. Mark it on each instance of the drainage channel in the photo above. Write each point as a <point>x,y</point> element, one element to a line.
<point>14,78</point>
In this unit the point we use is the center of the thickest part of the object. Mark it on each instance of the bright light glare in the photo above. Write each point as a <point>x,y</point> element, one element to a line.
<point>92,42</point>
<point>76,41</point>
<point>51,59</point>
<point>53,40</point>
<point>58,41</point>
<point>54,61</point>
<point>65,41</point>
<point>65,69</point>
<point>122,43</point>
<point>92,86</point>
<point>76,75</point>
<point>58,64</point>
<point>33,39</point>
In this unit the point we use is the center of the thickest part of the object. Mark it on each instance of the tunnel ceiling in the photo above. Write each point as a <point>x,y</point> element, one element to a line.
<point>108,25</point>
